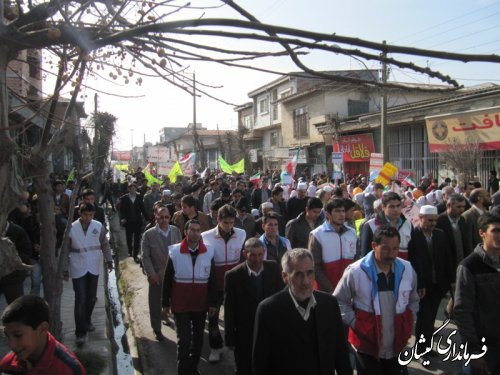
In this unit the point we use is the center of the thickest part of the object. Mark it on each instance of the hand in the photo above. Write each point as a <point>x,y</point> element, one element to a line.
<point>165,312</point>
<point>154,279</point>
<point>65,275</point>
<point>212,311</point>
<point>123,221</point>
<point>109,266</point>
<point>421,293</point>
<point>479,367</point>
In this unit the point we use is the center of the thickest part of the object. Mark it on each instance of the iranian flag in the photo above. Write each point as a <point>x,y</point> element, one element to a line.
<point>291,166</point>
<point>187,163</point>
<point>255,179</point>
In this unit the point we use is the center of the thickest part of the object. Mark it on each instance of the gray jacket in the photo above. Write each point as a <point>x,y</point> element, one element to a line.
<point>155,249</point>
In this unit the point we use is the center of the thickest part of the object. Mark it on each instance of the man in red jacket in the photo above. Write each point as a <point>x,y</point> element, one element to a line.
<point>189,291</point>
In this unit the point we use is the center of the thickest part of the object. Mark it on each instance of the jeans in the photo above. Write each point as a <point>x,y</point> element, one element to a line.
<point>189,328</point>
<point>85,289</point>
<point>214,335</point>
<point>36,277</point>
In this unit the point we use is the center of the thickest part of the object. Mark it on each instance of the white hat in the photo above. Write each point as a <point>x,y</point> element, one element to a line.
<point>266,205</point>
<point>255,212</point>
<point>166,193</point>
<point>302,186</point>
<point>428,210</point>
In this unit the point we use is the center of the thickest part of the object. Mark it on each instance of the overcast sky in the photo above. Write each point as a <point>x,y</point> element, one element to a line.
<point>453,25</point>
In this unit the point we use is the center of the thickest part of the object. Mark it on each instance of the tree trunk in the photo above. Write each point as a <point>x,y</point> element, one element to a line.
<point>52,278</point>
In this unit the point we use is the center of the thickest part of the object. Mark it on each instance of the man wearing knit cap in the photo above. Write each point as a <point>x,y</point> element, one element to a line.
<point>430,256</point>
<point>296,205</point>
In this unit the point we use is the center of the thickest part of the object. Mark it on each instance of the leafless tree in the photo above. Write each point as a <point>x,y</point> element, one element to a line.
<point>462,158</point>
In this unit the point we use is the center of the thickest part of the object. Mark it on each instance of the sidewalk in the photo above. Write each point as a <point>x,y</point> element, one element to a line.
<point>98,342</point>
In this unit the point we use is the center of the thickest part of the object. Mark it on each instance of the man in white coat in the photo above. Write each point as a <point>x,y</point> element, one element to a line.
<point>87,242</point>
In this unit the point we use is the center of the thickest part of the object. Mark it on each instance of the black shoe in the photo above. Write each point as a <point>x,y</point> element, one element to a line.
<point>159,336</point>
<point>90,328</point>
<point>136,259</point>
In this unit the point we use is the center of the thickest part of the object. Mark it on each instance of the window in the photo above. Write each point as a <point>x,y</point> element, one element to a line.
<point>300,123</point>
<point>264,105</point>
<point>286,93</point>
<point>247,122</point>
<point>357,107</point>
<point>274,138</point>
<point>275,111</point>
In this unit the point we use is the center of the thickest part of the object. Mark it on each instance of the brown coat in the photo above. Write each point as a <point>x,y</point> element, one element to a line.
<point>179,219</point>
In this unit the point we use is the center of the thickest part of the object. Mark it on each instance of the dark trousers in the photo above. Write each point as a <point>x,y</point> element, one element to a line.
<point>133,230</point>
<point>85,289</point>
<point>368,365</point>
<point>243,361</point>
<point>189,328</point>
<point>214,335</point>
<point>427,312</point>
<point>154,301</point>
<point>12,291</point>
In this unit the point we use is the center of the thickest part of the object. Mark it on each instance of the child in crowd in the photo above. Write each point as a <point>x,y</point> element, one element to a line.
<point>34,349</point>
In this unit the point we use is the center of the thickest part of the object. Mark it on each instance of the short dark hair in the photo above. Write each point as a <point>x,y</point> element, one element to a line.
<point>236,191</point>
<point>313,203</point>
<point>88,192</point>
<point>86,207</point>
<point>277,190</point>
<point>455,198</point>
<point>348,204</point>
<point>271,215</point>
<point>189,200</point>
<point>334,203</point>
<point>390,196</point>
<point>226,212</point>
<point>378,185</point>
<point>383,231</point>
<point>29,310</point>
<point>189,222</point>
<point>475,195</point>
<point>216,204</point>
<point>486,219</point>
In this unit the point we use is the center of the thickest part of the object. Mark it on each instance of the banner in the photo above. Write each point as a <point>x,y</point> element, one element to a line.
<point>238,167</point>
<point>121,155</point>
<point>157,154</point>
<point>148,176</point>
<point>187,163</point>
<point>376,162</point>
<point>355,148</point>
<point>386,174</point>
<point>477,126</point>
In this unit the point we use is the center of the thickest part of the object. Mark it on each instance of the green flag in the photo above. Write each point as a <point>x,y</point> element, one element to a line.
<point>151,179</point>
<point>176,171</point>
<point>71,176</point>
<point>239,167</point>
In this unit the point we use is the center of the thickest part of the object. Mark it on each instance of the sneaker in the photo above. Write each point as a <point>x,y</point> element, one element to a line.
<point>80,340</point>
<point>90,328</point>
<point>215,355</point>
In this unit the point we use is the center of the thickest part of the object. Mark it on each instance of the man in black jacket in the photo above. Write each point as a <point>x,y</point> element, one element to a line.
<point>298,330</point>
<point>131,217</point>
<point>298,229</point>
<point>245,286</point>
<point>476,298</point>
<point>261,195</point>
<point>430,256</point>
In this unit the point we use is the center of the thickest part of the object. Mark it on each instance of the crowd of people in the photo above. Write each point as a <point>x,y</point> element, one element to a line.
<point>319,272</point>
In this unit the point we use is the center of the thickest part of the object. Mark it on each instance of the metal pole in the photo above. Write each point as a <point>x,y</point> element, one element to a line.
<point>383,111</point>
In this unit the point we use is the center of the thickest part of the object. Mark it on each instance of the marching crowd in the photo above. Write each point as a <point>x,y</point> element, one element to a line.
<point>314,272</point>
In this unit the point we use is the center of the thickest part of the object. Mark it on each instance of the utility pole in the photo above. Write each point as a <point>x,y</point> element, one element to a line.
<point>383,110</point>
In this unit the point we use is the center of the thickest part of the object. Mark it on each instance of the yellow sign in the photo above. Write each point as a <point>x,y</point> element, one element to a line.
<point>386,174</point>
<point>477,126</point>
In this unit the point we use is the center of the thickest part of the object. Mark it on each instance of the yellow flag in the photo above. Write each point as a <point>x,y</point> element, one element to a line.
<point>239,167</point>
<point>151,179</point>
<point>176,171</point>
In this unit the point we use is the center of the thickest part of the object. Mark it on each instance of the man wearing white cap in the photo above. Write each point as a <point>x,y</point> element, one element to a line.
<point>166,196</point>
<point>296,205</point>
<point>430,256</point>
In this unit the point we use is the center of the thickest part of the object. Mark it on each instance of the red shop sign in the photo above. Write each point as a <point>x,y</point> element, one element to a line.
<point>355,148</point>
